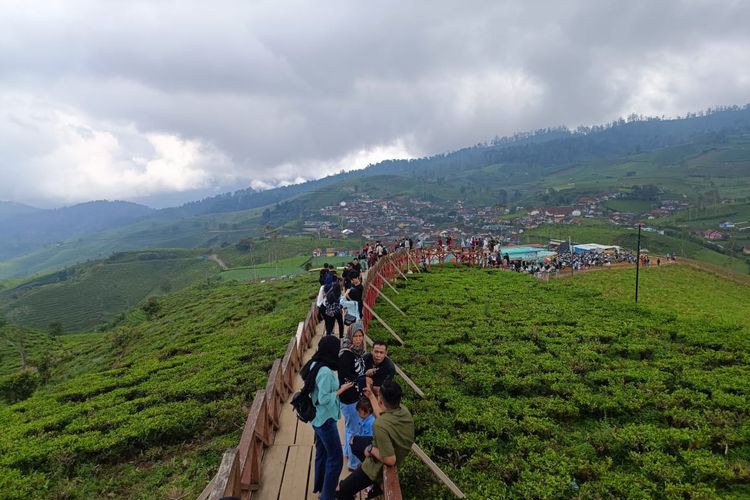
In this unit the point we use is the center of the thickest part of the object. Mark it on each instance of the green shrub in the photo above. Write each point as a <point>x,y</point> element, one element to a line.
<point>19,386</point>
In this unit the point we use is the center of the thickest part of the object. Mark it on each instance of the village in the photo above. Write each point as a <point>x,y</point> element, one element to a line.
<point>427,221</point>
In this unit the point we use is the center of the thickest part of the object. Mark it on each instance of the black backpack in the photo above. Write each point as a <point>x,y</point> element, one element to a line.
<point>302,402</point>
<point>303,406</point>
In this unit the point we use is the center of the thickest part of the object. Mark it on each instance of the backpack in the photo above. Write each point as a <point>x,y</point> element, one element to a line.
<point>333,306</point>
<point>303,406</point>
<point>302,402</point>
<point>333,309</point>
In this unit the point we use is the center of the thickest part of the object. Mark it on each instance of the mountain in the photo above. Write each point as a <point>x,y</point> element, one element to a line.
<point>24,230</point>
<point>702,156</point>
<point>536,153</point>
<point>10,209</point>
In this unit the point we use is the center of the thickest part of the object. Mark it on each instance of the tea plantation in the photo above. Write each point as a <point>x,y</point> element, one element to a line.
<point>86,295</point>
<point>567,389</point>
<point>146,410</point>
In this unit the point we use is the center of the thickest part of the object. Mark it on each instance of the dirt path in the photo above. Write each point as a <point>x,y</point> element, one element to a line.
<point>218,260</point>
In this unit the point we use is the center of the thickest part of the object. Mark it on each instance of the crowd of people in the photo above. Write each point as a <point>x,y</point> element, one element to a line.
<point>348,382</point>
<point>345,381</point>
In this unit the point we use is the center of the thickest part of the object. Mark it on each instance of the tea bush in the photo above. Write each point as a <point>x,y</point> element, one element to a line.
<point>565,390</point>
<point>147,410</point>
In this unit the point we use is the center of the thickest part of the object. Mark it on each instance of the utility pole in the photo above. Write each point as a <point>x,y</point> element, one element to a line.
<point>637,263</point>
<point>570,249</point>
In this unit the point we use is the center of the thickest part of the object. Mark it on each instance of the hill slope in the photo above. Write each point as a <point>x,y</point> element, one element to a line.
<point>146,410</point>
<point>554,390</point>
<point>25,231</point>
<point>87,295</point>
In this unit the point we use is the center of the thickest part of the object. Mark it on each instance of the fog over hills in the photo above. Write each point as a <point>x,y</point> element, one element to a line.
<point>25,228</point>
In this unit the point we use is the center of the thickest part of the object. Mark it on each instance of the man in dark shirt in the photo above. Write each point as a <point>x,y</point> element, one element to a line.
<point>378,366</point>
<point>356,292</point>
<point>356,266</point>
<point>323,273</point>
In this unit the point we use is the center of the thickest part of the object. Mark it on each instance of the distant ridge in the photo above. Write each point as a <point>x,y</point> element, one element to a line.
<point>550,148</point>
<point>12,209</point>
<point>26,228</point>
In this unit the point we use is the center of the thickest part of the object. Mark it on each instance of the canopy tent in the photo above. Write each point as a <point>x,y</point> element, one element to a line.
<point>526,253</point>
<point>595,247</point>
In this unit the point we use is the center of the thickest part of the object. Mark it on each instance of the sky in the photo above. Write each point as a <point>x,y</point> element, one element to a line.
<point>165,101</point>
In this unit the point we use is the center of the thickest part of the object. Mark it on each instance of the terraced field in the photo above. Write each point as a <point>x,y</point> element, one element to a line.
<point>85,296</point>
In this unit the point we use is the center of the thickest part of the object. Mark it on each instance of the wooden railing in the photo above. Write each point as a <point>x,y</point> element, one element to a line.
<point>240,470</point>
<point>239,473</point>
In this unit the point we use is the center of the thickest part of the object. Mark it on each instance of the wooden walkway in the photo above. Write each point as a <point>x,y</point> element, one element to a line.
<point>288,464</point>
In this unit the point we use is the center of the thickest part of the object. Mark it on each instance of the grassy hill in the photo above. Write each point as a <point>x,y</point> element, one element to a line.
<point>270,249</point>
<point>87,295</point>
<point>291,266</point>
<point>147,409</point>
<point>567,389</point>
<point>190,232</point>
<point>691,169</point>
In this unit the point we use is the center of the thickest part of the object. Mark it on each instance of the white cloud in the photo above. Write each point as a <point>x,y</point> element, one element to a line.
<point>128,99</point>
<point>65,156</point>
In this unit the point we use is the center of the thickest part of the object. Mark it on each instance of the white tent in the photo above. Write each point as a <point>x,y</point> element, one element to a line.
<point>594,247</point>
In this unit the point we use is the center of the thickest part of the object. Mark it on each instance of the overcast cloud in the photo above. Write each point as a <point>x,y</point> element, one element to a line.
<point>129,99</point>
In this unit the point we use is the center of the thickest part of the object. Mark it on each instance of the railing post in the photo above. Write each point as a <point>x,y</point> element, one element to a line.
<point>391,486</point>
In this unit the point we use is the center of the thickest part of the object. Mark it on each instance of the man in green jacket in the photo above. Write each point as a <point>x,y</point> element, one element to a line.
<point>393,435</point>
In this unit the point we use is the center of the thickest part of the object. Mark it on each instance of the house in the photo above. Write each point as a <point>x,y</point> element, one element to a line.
<point>330,252</point>
<point>317,252</point>
<point>559,212</point>
<point>586,200</point>
<point>711,234</point>
<point>657,212</point>
<point>726,225</point>
<point>746,250</point>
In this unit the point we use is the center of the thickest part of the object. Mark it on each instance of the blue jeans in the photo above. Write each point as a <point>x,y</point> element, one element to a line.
<point>351,419</point>
<point>328,459</point>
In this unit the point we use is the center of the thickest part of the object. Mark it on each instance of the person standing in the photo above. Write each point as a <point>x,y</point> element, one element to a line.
<point>333,309</point>
<point>356,266</point>
<point>356,293</point>
<point>325,396</point>
<point>351,368</point>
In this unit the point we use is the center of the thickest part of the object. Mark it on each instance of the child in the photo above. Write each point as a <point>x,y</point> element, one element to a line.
<point>363,437</point>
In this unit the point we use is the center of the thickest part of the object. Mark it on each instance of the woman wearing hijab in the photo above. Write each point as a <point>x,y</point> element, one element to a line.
<point>351,367</point>
<point>325,396</point>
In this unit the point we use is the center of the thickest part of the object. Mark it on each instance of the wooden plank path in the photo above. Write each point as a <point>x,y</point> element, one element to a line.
<point>288,464</point>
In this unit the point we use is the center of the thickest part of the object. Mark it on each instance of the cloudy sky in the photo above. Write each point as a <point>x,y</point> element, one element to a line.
<point>158,100</point>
